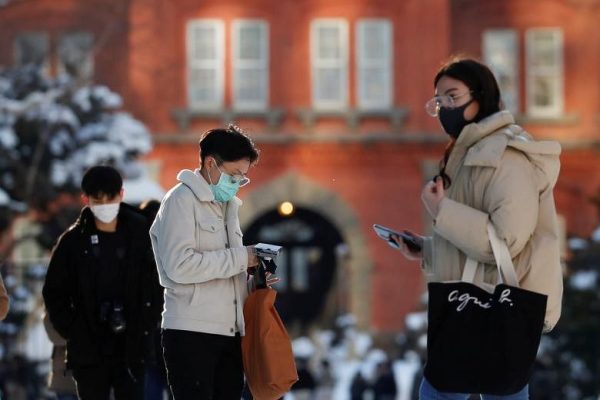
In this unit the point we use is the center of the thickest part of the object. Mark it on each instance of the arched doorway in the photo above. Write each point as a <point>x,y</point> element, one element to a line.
<point>355,295</point>
<point>306,266</point>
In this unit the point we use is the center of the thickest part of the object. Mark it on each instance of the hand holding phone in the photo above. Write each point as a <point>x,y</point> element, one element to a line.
<point>389,235</point>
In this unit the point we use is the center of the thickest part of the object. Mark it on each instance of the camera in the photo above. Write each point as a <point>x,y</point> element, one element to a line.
<point>267,251</point>
<point>113,314</point>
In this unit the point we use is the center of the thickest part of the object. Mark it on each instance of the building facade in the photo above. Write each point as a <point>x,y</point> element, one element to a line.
<point>333,93</point>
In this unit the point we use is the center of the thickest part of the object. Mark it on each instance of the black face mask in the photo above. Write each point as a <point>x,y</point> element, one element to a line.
<point>453,119</point>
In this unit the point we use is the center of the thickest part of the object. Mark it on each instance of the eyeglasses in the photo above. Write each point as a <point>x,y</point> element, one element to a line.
<point>432,107</point>
<point>236,178</point>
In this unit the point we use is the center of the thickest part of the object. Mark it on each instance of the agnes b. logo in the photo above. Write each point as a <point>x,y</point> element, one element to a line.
<point>465,298</point>
<point>504,297</point>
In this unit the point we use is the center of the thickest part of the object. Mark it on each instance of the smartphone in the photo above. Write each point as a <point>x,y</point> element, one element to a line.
<point>386,234</point>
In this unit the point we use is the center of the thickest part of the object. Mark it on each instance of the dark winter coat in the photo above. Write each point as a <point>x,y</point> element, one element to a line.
<point>68,289</point>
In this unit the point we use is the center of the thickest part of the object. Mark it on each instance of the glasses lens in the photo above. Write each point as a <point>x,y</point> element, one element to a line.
<point>239,179</point>
<point>446,101</point>
<point>244,181</point>
<point>433,106</point>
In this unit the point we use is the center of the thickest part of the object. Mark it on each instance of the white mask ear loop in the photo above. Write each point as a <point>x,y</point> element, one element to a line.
<point>208,172</point>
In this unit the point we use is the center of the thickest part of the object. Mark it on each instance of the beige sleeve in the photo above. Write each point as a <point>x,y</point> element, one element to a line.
<point>511,203</point>
<point>427,260</point>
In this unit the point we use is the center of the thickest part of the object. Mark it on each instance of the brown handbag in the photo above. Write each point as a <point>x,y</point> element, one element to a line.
<point>266,348</point>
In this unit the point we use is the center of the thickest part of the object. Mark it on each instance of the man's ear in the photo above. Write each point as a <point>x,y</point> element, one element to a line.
<point>121,195</point>
<point>85,199</point>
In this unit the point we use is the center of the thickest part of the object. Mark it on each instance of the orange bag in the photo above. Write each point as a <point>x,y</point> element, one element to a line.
<point>266,348</point>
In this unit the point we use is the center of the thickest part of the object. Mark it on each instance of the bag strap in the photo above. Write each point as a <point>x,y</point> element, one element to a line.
<point>506,268</point>
<point>502,256</point>
<point>469,270</point>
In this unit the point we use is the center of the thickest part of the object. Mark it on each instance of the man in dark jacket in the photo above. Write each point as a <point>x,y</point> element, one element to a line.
<point>102,292</point>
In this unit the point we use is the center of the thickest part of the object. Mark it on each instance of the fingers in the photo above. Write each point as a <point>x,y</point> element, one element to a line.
<point>395,239</point>
<point>433,189</point>
<point>271,280</point>
<point>410,255</point>
<point>439,185</point>
<point>404,248</point>
<point>430,187</point>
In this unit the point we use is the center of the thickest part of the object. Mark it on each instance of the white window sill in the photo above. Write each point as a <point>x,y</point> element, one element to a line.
<point>560,119</point>
<point>183,116</point>
<point>353,117</point>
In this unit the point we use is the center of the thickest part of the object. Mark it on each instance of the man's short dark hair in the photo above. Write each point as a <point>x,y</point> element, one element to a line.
<point>101,180</point>
<point>230,144</point>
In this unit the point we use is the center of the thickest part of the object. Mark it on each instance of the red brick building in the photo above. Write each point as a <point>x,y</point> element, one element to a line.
<point>333,93</point>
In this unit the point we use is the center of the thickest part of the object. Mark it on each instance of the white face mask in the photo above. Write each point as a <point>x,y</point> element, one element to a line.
<point>106,212</point>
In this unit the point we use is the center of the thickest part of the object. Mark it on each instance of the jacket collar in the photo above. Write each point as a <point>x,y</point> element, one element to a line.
<point>496,133</point>
<point>474,132</point>
<point>199,186</point>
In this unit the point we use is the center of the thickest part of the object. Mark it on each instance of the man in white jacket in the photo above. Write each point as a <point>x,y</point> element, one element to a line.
<point>202,264</point>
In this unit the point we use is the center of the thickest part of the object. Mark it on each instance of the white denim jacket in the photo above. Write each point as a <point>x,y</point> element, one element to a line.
<point>201,260</point>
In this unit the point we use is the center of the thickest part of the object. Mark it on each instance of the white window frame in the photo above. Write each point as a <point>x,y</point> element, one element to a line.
<point>341,63</point>
<point>217,64</point>
<point>89,57</point>
<point>508,41</point>
<point>261,64</point>
<point>555,109</point>
<point>363,64</point>
<point>46,38</point>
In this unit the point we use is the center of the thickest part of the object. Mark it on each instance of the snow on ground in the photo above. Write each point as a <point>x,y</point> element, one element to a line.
<point>4,199</point>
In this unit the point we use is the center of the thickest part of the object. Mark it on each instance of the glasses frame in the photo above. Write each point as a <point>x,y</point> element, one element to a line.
<point>242,180</point>
<point>433,105</point>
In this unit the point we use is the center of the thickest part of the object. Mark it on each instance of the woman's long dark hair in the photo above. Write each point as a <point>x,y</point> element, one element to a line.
<point>484,89</point>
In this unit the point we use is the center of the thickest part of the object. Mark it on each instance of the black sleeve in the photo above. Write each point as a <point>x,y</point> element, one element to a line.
<point>154,291</point>
<point>157,290</point>
<point>58,292</point>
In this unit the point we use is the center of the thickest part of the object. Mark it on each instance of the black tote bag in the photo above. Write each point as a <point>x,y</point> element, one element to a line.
<point>483,341</point>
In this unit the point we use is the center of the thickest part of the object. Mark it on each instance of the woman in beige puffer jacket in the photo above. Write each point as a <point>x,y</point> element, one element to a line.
<point>494,172</point>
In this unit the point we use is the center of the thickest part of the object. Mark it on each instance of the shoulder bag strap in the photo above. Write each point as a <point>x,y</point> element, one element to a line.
<point>506,269</point>
<point>502,256</point>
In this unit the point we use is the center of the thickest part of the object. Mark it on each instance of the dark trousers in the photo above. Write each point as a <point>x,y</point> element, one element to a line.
<point>203,366</point>
<point>94,382</point>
